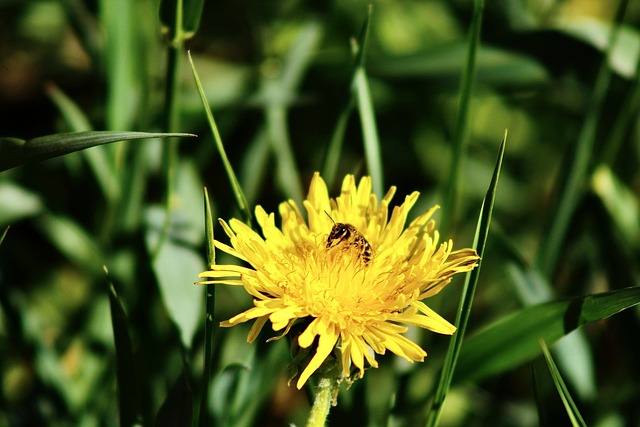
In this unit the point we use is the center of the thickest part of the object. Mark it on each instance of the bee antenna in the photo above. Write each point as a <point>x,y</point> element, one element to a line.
<point>330,217</point>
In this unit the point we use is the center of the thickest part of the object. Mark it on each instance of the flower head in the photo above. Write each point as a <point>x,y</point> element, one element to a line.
<point>357,276</point>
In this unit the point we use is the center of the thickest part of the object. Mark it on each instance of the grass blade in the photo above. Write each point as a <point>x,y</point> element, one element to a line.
<point>462,118</point>
<point>569,405</point>
<point>513,340</point>
<point>235,185</point>
<point>126,370</point>
<point>278,93</point>
<point>98,159</point>
<point>16,152</point>
<point>366,111</point>
<point>573,188</point>
<point>468,291</point>
<point>4,234</point>
<point>209,325</point>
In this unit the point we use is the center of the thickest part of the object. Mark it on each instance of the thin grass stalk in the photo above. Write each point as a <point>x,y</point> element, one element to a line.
<point>170,121</point>
<point>462,120</point>
<point>572,191</point>
<point>4,234</point>
<point>235,185</point>
<point>567,400</point>
<point>332,158</point>
<point>209,326</point>
<point>624,120</point>
<point>468,292</point>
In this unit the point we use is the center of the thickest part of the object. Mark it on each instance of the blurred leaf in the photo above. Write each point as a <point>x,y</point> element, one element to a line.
<point>98,159</point>
<point>17,202</point>
<point>126,369</point>
<point>621,203</point>
<point>494,66</point>
<point>177,263</point>
<point>567,400</point>
<point>626,51</point>
<point>370,137</point>
<point>572,183</point>
<point>277,92</point>
<point>15,152</point>
<point>72,241</point>
<point>513,340</point>
<point>188,12</point>
<point>468,292</point>
<point>461,131</point>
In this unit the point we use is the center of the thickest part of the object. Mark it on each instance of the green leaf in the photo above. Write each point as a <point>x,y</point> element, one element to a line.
<point>126,370</point>
<point>235,185</point>
<point>468,292</point>
<point>577,172</point>
<point>494,66</point>
<point>277,92</point>
<point>177,262</point>
<point>567,400</point>
<point>621,203</point>
<point>17,202</point>
<point>513,340</point>
<point>15,152</point>
<point>462,118</point>
<point>72,241</point>
<point>360,87</point>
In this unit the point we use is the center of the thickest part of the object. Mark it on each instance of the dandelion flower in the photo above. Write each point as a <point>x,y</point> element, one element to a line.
<point>357,288</point>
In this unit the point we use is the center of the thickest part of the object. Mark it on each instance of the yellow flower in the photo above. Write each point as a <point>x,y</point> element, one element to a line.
<point>351,301</point>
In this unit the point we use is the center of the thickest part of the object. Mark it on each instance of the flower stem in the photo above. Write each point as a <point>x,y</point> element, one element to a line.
<point>327,389</point>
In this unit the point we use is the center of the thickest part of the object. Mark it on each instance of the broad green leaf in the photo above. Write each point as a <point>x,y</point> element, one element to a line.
<point>567,400</point>
<point>573,351</point>
<point>126,370</point>
<point>15,152</point>
<point>177,263</point>
<point>513,340</point>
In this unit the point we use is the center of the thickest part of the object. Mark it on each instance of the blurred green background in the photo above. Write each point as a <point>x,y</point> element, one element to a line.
<point>277,76</point>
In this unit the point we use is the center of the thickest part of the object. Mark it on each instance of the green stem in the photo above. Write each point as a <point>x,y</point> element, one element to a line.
<point>327,390</point>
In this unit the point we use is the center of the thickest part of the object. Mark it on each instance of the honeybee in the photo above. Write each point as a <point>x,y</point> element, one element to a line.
<point>350,237</point>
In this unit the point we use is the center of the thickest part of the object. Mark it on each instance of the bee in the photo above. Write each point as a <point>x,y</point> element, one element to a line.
<point>349,236</point>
